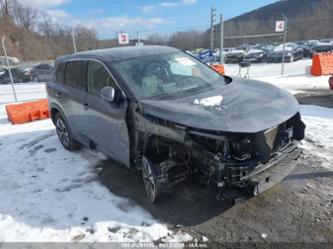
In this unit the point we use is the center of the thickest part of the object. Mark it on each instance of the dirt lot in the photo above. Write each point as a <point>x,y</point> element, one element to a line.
<point>298,209</point>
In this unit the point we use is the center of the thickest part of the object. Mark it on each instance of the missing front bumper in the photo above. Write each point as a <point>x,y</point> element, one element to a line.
<point>267,178</point>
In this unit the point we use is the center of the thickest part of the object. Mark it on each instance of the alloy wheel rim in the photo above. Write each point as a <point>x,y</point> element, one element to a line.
<point>148,180</point>
<point>62,132</point>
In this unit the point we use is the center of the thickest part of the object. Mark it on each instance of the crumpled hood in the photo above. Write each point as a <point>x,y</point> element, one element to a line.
<point>247,106</point>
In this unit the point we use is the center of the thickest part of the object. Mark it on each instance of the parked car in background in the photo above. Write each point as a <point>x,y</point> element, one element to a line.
<point>19,74</point>
<point>234,56</point>
<point>307,47</point>
<point>267,48</point>
<point>330,40</point>
<point>293,52</point>
<point>322,47</point>
<point>254,55</point>
<point>42,72</point>
<point>160,111</point>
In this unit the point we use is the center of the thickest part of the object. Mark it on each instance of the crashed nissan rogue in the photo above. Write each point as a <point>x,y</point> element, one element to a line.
<point>163,112</point>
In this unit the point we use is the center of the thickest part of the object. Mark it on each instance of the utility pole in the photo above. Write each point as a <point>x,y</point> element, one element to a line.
<point>284,42</point>
<point>9,71</point>
<point>222,37</point>
<point>212,21</point>
<point>138,38</point>
<point>74,43</point>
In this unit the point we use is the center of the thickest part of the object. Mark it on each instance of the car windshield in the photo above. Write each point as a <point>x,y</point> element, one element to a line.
<point>167,75</point>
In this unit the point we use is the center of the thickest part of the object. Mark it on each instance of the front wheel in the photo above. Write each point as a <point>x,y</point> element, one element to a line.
<point>64,134</point>
<point>150,180</point>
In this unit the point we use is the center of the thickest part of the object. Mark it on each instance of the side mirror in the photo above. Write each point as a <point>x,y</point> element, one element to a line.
<point>108,93</point>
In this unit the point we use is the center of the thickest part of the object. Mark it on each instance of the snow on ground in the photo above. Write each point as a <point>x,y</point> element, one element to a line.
<point>294,80</point>
<point>50,194</point>
<point>24,91</point>
<point>319,133</point>
<point>297,84</point>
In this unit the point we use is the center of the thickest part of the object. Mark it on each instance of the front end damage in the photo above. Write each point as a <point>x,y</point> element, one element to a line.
<point>169,153</point>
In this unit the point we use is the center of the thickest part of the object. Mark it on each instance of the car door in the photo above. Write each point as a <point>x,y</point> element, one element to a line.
<point>70,94</point>
<point>104,122</point>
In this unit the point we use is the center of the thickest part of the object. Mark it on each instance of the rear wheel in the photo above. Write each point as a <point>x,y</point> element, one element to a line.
<point>35,78</point>
<point>65,135</point>
<point>150,180</point>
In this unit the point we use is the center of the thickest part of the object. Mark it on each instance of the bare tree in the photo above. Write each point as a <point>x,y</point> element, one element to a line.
<point>86,38</point>
<point>4,7</point>
<point>24,16</point>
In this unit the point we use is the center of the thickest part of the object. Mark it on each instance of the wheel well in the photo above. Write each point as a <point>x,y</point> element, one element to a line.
<point>54,111</point>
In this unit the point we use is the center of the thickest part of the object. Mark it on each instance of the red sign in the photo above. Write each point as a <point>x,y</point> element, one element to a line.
<point>279,26</point>
<point>123,38</point>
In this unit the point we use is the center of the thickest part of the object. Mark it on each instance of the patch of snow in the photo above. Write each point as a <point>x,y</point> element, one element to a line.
<point>318,133</point>
<point>50,194</point>
<point>296,84</point>
<point>210,101</point>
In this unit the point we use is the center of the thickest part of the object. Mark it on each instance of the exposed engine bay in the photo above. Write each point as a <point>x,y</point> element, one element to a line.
<point>171,153</point>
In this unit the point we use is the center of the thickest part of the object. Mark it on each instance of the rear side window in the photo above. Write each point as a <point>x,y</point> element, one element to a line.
<point>98,77</point>
<point>75,74</point>
<point>59,74</point>
<point>45,66</point>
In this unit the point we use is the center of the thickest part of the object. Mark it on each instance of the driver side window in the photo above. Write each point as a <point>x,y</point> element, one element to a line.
<point>98,78</point>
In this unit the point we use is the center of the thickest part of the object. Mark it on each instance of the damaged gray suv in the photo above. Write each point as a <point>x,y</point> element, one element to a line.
<point>161,111</point>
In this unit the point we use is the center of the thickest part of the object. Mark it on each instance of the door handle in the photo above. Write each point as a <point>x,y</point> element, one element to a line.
<point>58,95</point>
<point>86,106</point>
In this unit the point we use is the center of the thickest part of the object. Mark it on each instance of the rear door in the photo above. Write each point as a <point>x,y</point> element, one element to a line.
<point>70,94</point>
<point>104,122</point>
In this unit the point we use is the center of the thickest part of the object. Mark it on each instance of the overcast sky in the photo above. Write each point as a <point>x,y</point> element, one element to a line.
<point>109,17</point>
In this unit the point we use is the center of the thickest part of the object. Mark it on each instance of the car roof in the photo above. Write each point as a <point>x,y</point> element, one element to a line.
<point>119,53</point>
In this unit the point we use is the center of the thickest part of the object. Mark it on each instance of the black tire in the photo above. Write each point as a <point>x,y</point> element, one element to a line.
<point>149,177</point>
<point>64,134</point>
